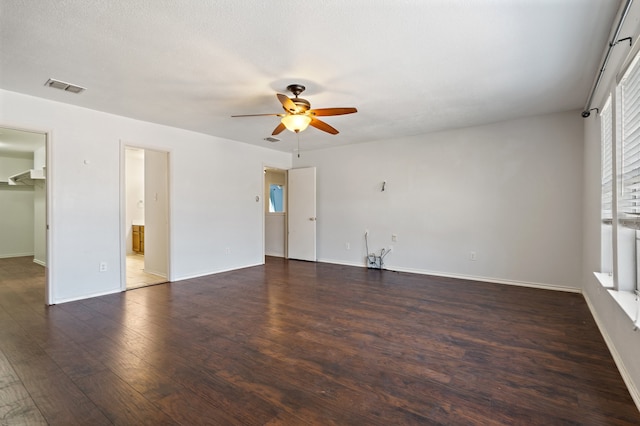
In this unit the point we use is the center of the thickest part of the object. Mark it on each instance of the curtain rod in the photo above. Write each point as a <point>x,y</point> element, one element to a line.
<point>587,109</point>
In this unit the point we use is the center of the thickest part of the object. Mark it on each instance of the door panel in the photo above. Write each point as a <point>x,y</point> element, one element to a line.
<point>156,212</point>
<point>302,214</point>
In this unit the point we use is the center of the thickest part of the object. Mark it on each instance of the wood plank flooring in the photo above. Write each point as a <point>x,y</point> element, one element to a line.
<point>293,343</point>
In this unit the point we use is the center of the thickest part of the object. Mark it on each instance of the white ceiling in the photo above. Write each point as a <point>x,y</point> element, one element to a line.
<point>409,66</point>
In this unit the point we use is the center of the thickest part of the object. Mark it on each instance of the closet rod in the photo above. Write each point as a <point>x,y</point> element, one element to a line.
<point>587,109</point>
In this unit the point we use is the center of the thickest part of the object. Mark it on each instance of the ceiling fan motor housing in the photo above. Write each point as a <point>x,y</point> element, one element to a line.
<point>296,89</point>
<point>302,104</point>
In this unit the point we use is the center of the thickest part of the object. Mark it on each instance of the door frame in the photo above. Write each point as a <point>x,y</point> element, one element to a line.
<point>123,206</point>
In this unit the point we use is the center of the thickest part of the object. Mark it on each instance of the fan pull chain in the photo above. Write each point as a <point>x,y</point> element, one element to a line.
<point>298,135</point>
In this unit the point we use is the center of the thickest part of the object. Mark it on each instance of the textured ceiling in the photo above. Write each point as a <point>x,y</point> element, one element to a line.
<point>409,66</point>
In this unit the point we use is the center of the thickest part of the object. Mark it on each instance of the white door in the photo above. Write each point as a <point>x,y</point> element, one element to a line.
<point>156,212</point>
<point>302,214</point>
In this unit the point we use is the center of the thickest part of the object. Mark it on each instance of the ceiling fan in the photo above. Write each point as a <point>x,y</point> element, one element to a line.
<point>298,113</point>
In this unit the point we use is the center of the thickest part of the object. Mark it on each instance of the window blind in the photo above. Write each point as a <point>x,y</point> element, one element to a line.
<point>629,92</point>
<point>606,138</point>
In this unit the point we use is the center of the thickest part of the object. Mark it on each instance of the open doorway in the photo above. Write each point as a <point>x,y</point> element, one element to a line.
<point>146,228</point>
<point>275,212</point>
<point>23,196</point>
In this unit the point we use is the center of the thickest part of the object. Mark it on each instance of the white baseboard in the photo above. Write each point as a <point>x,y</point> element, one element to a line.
<point>219,271</point>
<point>160,274</point>
<point>10,255</point>
<point>342,262</point>
<point>119,290</point>
<point>40,262</point>
<point>85,296</point>
<point>626,377</point>
<point>543,286</point>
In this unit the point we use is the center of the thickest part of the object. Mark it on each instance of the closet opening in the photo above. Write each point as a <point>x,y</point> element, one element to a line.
<point>24,197</point>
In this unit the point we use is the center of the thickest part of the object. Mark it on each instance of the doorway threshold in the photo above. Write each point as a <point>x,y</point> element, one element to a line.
<point>136,275</point>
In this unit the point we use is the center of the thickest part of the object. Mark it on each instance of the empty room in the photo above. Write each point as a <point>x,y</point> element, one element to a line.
<point>376,212</point>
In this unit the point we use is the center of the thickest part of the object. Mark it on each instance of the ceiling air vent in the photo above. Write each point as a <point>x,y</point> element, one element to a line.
<point>67,87</point>
<point>270,139</point>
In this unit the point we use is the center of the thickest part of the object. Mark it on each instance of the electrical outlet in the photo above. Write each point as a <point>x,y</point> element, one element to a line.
<point>103,266</point>
<point>347,246</point>
<point>472,256</point>
<point>227,250</point>
<point>394,238</point>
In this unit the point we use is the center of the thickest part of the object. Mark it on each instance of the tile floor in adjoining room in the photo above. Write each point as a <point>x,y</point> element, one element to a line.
<point>136,276</point>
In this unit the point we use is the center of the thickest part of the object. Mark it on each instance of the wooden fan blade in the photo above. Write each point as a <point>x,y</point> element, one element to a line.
<point>258,115</point>
<point>278,129</point>
<point>332,111</point>
<point>321,125</point>
<point>287,103</point>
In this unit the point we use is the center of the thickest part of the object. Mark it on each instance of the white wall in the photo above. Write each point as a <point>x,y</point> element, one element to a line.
<point>16,208</point>
<point>213,186</point>
<point>274,236</point>
<point>14,163</point>
<point>511,192</point>
<point>16,223</point>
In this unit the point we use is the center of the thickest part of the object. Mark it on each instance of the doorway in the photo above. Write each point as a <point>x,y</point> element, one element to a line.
<point>146,217</point>
<point>290,213</point>
<point>24,197</point>
<point>275,212</point>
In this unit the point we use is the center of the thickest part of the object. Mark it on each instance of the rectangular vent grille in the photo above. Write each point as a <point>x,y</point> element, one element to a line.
<point>67,87</point>
<point>270,139</point>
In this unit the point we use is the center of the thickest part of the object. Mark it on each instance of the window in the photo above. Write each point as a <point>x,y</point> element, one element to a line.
<point>276,203</point>
<point>628,129</point>
<point>607,163</point>
<point>620,180</point>
<point>607,178</point>
<point>626,146</point>
<point>629,109</point>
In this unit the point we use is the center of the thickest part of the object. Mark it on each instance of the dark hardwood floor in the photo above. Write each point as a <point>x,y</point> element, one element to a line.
<point>302,343</point>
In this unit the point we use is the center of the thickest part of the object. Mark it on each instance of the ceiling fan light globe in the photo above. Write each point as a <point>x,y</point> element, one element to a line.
<point>296,122</point>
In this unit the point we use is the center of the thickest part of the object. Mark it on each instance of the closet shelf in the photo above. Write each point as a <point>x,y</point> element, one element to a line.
<point>28,177</point>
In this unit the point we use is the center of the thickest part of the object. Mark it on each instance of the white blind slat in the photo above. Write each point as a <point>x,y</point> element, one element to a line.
<point>607,162</point>
<point>629,90</point>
